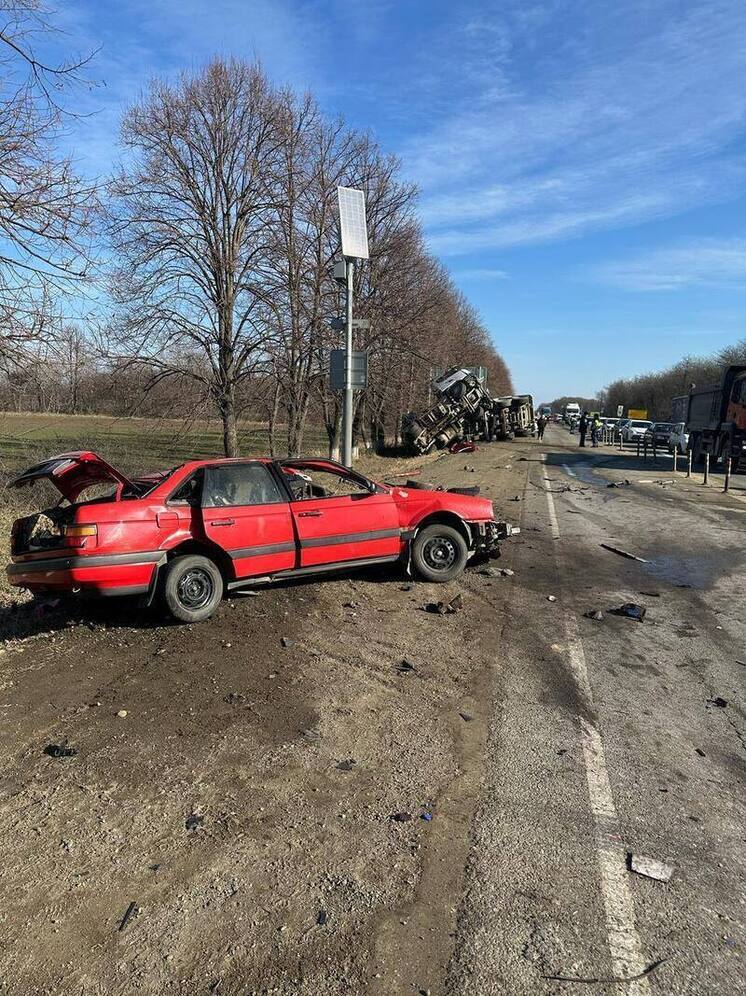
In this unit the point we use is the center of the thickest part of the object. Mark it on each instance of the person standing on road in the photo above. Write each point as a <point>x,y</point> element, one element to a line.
<point>595,429</point>
<point>583,427</point>
<point>541,425</point>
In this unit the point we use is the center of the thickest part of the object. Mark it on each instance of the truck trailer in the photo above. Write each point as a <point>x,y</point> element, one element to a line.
<point>716,419</point>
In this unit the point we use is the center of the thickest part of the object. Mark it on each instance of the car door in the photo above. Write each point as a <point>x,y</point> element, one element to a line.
<point>246,512</point>
<point>339,516</point>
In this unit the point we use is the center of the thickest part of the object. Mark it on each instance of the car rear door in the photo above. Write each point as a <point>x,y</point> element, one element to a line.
<point>246,512</point>
<point>351,520</point>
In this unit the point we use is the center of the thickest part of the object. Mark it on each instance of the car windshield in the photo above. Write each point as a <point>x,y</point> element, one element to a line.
<point>640,425</point>
<point>663,426</point>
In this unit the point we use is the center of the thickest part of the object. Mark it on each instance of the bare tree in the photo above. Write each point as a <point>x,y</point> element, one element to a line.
<point>46,211</point>
<point>192,216</point>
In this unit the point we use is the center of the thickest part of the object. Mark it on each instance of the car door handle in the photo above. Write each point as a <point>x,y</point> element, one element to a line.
<point>307,515</point>
<point>223,522</point>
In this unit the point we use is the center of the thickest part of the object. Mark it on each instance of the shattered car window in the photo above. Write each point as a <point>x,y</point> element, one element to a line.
<point>240,484</point>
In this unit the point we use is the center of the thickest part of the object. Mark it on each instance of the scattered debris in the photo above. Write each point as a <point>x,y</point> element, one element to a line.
<point>122,714</point>
<point>742,663</point>
<point>698,750</point>
<point>651,867</point>
<point>321,918</point>
<point>234,698</point>
<point>132,910</point>
<point>193,821</point>
<point>594,614</point>
<point>286,641</point>
<point>551,598</point>
<point>619,484</point>
<point>624,553</point>
<point>631,610</point>
<point>60,750</point>
<point>406,587</point>
<point>400,817</point>
<point>489,572</point>
<point>445,608</point>
<point>651,594</point>
<point>719,702</point>
<point>466,716</point>
<point>406,666</point>
<point>462,446</point>
<point>347,765</point>
<point>468,469</point>
<point>351,605</point>
<point>517,498</point>
<point>426,816</point>
<point>506,572</point>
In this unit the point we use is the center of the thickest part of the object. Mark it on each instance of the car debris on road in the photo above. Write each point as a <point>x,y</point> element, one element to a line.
<point>651,867</point>
<point>630,610</point>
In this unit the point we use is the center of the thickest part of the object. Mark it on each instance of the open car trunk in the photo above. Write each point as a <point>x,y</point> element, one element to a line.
<point>72,473</point>
<point>40,531</point>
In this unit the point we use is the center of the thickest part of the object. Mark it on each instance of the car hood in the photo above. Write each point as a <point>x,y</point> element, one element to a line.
<point>72,473</point>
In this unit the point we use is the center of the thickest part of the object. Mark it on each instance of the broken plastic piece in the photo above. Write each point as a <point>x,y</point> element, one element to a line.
<point>651,868</point>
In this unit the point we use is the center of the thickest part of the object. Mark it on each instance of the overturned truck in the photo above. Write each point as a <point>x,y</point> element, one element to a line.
<point>465,410</point>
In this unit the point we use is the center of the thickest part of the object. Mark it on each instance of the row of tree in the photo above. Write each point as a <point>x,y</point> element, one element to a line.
<point>654,392</point>
<point>208,259</point>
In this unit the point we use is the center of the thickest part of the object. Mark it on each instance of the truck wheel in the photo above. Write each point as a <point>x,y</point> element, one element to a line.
<point>439,553</point>
<point>193,588</point>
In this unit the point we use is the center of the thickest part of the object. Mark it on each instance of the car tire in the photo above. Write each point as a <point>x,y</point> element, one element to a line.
<point>439,553</point>
<point>192,588</point>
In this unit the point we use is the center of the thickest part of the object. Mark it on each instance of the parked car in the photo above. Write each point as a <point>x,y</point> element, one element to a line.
<point>192,532</point>
<point>678,438</point>
<point>620,426</point>
<point>658,433</point>
<point>634,429</point>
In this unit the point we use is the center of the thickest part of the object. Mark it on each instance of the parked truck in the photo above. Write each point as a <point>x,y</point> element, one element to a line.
<point>716,419</point>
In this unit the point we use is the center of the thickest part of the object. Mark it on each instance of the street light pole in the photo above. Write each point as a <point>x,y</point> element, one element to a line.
<point>348,410</point>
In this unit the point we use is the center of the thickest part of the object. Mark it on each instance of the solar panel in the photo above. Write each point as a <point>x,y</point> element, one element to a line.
<point>352,222</point>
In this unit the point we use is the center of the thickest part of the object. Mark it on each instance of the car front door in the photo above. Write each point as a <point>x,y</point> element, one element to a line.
<point>340,516</point>
<point>246,512</point>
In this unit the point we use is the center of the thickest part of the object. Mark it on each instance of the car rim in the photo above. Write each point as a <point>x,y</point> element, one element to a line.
<point>439,553</point>
<point>195,588</point>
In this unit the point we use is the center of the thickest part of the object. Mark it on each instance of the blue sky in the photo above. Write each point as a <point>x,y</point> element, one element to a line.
<point>581,163</point>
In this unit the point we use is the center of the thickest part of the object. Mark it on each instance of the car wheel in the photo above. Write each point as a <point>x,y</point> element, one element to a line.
<point>193,588</point>
<point>439,553</point>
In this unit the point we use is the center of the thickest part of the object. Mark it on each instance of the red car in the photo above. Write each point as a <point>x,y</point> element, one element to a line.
<point>210,525</point>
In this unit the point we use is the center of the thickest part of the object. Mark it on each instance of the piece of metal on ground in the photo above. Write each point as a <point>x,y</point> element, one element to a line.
<point>624,553</point>
<point>726,485</point>
<point>651,867</point>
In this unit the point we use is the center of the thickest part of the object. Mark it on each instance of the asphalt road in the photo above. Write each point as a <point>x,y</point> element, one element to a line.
<point>608,739</point>
<point>531,748</point>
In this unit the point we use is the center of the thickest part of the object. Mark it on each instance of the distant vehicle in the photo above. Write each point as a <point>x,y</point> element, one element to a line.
<point>621,423</point>
<point>678,438</point>
<point>188,534</point>
<point>716,419</point>
<point>658,433</point>
<point>573,408</point>
<point>679,407</point>
<point>546,411</point>
<point>635,429</point>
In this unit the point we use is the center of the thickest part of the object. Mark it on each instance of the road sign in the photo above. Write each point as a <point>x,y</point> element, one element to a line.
<point>638,413</point>
<point>357,323</point>
<point>619,411</point>
<point>358,370</point>
<point>352,223</point>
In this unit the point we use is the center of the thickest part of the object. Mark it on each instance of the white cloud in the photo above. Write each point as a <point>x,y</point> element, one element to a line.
<point>710,262</point>
<point>637,121</point>
<point>481,273</point>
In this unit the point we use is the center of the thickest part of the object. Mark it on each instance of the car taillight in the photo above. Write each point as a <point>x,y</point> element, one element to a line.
<point>79,531</point>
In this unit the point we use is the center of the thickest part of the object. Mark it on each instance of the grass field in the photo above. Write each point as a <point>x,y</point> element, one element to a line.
<point>133,444</point>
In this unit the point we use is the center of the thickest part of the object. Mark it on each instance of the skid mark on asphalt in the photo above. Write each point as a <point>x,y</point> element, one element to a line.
<point>625,946</point>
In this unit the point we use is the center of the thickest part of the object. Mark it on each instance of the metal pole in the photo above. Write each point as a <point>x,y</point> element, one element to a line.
<point>347,413</point>
<point>688,463</point>
<point>707,469</point>
<point>675,459</point>
<point>726,486</point>
<point>638,449</point>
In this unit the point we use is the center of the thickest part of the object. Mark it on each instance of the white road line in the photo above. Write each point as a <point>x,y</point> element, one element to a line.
<point>624,942</point>
<point>568,470</point>
<point>552,511</point>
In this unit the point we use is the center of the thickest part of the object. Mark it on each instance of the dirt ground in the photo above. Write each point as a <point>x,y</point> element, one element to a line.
<point>325,789</point>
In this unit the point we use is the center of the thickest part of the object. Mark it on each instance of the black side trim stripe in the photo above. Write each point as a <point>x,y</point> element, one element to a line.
<point>100,560</point>
<point>373,534</point>
<point>255,551</point>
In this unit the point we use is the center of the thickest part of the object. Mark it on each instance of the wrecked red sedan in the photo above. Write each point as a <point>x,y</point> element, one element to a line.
<point>190,533</point>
